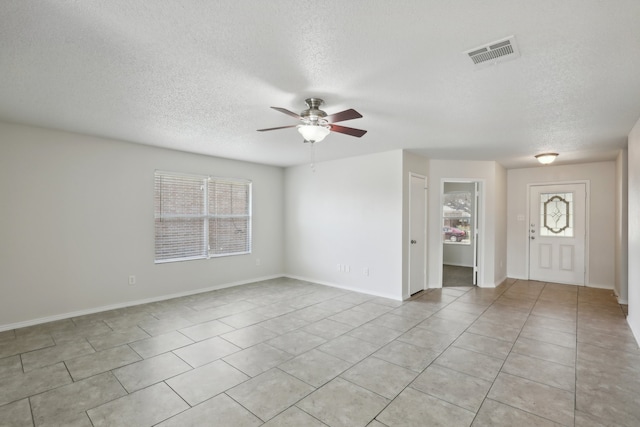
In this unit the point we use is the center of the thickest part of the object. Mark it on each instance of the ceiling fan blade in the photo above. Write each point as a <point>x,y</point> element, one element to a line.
<point>347,131</point>
<point>285,111</point>
<point>349,114</point>
<point>280,127</point>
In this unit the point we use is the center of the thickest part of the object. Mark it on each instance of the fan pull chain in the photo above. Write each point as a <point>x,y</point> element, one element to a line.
<point>313,157</point>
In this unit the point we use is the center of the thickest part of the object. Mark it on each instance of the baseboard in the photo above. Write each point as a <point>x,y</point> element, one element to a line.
<point>132,303</point>
<point>346,288</point>
<point>457,265</point>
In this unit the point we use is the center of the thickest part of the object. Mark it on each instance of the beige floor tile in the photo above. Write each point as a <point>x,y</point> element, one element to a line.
<point>202,383</point>
<point>415,310</point>
<point>375,334</point>
<point>161,344</point>
<point>371,355</point>
<point>251,335</point>
<point>406,355</point>
<point>270,393</point>
<point>452,386</point>
<point>221,410</point>
<point>101,361</point>
<point>397,323</point>
<point>21,385</point>
<point>564,339</point>
<point>539,399</point>
<point>71,401</point>
<point>584,419</point>
<point>470,363</point>
<point>58,353</point>
<point>296,342</point>
<point>162,326</point>
<point>23,344</point>
<point>328,329</point>
<point>16,414</point>
<point>551,323</point>
<point>413,408</point>
<point>496,414</point>
<point>379,376</point>
<point>485,345</point>
<point>315,367</point>
<point>428,339</point>
<point>353,317</point>
<point>340,403</point>
<point>290,322</point>
<point>444,326</point>
<point>148,406</point>
<point>206,330</point>
<point>294,417</point>
<point>257,359</point>
<point>545,351</point>
<point>242,320</point>
<point>10,365</point>
<point>117,338</point>
<point>150,371</point>
<point>542,371</point>
<point>456,315</point>
<point>349,348</point>
<point>206,351</point>
<point>494,330</point>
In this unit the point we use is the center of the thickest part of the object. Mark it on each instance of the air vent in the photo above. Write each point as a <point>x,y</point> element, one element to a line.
<point>492,53</point>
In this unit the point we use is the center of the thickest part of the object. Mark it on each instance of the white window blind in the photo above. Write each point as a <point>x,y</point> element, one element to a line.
<point>200,217</point>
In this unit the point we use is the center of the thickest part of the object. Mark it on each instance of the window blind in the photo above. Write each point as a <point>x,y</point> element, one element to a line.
<point>200,216</point>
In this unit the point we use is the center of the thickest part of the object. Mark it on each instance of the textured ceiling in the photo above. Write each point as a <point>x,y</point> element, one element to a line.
<point>199,76</point>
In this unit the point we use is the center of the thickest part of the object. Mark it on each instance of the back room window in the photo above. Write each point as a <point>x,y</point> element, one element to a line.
<point>199,216</point>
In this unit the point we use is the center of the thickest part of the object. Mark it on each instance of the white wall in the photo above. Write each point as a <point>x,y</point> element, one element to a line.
<point>492,244</point>
<point>455,253</point>
<point>77,220</point>
<point>347,212</point>
<point>602,208</point>
<point>621,256</point>
<point>634,230</point>
<point>500,229</point>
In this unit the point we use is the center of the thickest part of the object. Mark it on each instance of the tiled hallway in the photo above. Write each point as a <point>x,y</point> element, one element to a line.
<point>288,353</point>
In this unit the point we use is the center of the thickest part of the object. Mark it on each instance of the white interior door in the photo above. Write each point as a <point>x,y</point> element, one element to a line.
<point>417,234</point>
<point>557,233</point>
<point>475,222</point>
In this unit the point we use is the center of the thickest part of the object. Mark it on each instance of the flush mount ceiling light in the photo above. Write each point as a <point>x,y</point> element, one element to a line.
<point>313,133</point>
<point>546,158</point>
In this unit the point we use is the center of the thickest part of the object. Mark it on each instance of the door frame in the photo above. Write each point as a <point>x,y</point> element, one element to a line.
<point>587,222</point>
<point>479,224</point>
<point>424,237</point>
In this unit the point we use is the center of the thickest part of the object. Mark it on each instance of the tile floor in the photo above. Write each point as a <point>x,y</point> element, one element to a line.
<point>289,353</point>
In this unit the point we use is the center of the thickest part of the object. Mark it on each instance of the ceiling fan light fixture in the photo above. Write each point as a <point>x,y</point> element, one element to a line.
<point>546,158</point>
<point>313,133</point>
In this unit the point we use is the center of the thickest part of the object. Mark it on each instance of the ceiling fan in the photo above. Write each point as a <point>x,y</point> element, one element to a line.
<point>316,124</point>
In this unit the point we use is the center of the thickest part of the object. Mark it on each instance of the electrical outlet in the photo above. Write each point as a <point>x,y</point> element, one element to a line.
<point>339,267</point>
<point>347,269</point>
<point>132,280</point>
<point>365,271</point>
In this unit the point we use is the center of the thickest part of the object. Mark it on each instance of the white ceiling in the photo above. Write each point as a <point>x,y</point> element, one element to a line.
<point>200,76</point>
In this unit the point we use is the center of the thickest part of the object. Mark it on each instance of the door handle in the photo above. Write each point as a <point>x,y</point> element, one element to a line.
<point>413,242</point>
<point>533,238</point>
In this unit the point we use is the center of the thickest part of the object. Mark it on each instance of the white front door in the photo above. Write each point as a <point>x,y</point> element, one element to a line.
<point>417,234</point>
<point>557,226</point>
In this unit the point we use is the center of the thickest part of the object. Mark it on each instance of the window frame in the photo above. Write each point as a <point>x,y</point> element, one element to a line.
<point>207,183</point>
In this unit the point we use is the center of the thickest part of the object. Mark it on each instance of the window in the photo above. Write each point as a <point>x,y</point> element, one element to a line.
<point>556,214</point>
<point>200,217</point>
<point>456,217</point>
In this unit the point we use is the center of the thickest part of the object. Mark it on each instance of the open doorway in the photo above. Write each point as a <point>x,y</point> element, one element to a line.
<point>460,203</point>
